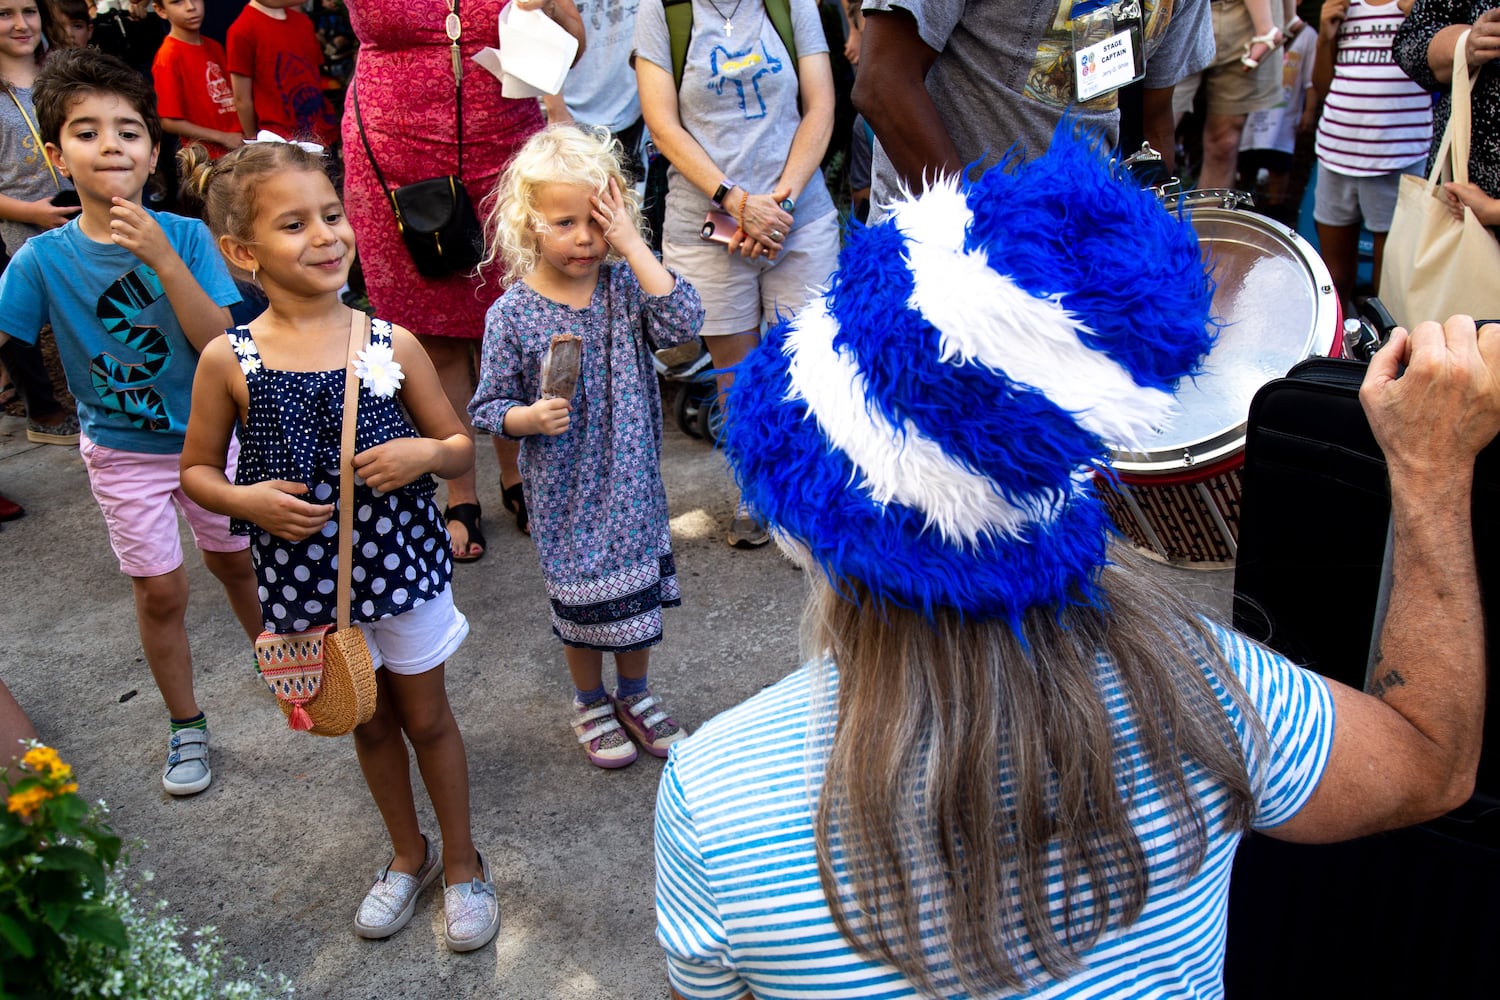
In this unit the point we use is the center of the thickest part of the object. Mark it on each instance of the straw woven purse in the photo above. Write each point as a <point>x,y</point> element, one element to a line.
<point>324,678</point>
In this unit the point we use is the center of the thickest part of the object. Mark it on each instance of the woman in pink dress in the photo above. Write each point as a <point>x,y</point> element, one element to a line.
<point>403,83</point>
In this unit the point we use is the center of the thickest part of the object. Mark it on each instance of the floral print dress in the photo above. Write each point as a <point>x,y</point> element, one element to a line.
<point>598,508</point>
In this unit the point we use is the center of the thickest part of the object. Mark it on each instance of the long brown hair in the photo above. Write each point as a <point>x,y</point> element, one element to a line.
<point>975,771</point>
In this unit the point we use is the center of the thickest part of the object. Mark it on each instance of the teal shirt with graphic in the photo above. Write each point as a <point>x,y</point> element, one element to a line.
<point>127,361</point>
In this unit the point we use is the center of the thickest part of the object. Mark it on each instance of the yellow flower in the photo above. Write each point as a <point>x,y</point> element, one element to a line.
<point>39,758</point>
<point>27,802</point>
<point>44,761</point>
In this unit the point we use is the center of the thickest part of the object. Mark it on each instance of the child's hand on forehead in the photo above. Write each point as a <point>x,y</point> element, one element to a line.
<point>132,227</point>
<point>609,211</point>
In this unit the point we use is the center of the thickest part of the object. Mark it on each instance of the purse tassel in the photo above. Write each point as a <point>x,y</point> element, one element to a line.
<point>299,719</point>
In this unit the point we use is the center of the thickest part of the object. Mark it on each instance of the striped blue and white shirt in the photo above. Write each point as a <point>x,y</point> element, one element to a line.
<point>740,907</point>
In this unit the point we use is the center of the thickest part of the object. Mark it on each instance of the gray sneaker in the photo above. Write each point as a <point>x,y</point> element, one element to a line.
<point>391,901</point>
<point>745,529</point>
<point>471,913</point>
<point>187,770</point>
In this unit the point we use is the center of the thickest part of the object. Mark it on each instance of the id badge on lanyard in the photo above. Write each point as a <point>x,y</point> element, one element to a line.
<point>1108,46</point>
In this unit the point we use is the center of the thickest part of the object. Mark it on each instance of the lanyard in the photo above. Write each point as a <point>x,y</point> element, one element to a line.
<point>40,148</point>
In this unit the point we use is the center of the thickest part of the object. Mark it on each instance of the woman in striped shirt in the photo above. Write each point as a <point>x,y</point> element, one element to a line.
<point>1376,126</point>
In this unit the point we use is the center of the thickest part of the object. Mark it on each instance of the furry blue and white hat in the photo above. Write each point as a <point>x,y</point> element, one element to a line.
<point>929,426</point>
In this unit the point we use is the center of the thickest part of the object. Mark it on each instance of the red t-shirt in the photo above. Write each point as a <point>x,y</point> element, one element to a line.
<point>192,84</point>
<point>282,58</point>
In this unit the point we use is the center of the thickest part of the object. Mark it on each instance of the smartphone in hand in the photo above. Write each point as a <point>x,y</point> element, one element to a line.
<point>718,227</point>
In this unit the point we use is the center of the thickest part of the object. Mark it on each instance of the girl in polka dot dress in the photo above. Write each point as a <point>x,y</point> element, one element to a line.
<point>280,383</point>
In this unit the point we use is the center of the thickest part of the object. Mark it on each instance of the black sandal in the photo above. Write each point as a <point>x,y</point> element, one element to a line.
<point>468,515</point>
<point>514,498</point>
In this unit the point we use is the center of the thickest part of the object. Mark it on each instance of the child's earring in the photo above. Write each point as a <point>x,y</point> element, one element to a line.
<point>253,271</point>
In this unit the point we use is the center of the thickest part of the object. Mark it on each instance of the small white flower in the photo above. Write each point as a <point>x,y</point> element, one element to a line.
<point>380,371</point>
<point>249,365</point>
<point>243,346</point>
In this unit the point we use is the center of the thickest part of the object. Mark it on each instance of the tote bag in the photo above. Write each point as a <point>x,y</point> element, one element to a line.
<point>1435,265</point>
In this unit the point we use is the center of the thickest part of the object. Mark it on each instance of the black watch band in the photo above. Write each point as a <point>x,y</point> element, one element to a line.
<point>722,191</point>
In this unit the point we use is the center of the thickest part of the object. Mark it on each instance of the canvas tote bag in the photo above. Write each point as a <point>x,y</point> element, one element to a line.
<point>1434,264</point>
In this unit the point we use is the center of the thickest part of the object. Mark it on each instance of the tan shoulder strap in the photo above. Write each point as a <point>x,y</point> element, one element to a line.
<point>358,324</point>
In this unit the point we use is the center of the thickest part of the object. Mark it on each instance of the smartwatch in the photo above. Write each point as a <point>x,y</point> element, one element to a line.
<point>722,191</point>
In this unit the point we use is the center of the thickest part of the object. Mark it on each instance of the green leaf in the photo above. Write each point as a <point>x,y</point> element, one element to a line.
<point>70,808</point>
<point>15,935</point>
<point>65,857</point>
<point>98,924</point>
<point>13,832</point>
<point>107,848</point>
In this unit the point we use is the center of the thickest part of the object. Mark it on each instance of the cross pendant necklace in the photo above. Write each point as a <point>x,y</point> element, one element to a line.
<point>728,18</point>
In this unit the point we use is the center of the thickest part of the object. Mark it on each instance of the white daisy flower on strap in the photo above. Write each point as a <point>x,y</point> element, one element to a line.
<point>378,368</point>
<point>250,365</point>
<point>243,346</point>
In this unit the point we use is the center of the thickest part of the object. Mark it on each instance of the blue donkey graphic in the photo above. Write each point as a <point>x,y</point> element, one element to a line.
<point>741,69</point>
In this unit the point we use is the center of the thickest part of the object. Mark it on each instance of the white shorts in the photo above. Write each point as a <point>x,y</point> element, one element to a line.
<point>1345,200</point>
<point>738,293</point>
<point>415,641</point>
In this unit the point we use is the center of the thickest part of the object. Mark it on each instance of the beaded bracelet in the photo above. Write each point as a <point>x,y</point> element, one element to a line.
<point>741,218</point>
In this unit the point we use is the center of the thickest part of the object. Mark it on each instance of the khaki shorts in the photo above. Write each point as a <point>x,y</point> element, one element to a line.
<point>1231,89</point>
<point>739,293</point>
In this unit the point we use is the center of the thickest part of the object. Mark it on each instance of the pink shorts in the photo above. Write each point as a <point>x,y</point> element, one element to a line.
<point>136,493</point>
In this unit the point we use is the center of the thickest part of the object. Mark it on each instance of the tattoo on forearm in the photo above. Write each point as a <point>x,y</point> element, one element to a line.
<point>1385,682</point>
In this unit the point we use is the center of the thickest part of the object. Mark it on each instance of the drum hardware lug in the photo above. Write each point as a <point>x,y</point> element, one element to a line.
<point>1326,289</point>
<point>1187,458</point>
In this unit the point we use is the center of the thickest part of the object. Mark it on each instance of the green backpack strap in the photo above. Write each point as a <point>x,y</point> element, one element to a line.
<point>780,13</point>
<point>680,30</point>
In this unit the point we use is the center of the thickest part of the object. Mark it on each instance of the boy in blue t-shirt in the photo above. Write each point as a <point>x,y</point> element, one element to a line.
<point>132,296</point>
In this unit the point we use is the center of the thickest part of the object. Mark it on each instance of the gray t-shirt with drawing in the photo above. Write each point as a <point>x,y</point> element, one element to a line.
<point>1004,75</point>
<point>738,99</point>
<point>23,165</point>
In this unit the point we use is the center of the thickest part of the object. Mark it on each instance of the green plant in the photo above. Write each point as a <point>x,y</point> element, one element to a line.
<point>68,925</point>
<point>54,853</point>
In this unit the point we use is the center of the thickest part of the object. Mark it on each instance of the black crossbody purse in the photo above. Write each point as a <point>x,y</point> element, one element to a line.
<point>435,216</point>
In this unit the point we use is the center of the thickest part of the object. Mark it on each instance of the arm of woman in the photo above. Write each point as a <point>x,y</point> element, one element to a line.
<point>810,141</point>
<point>761,212</point>
<point>220,398</point>
<point>444,449</point>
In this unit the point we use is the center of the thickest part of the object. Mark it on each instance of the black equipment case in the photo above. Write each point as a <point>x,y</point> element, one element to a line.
<point>1414,913</point>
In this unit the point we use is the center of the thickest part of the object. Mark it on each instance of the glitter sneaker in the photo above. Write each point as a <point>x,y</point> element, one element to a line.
<point>62,430</point>
<point>471,913</point>
<point>187,770</point>
<point>648,723</point>
<point>391,901</point>
<point>600,733</point>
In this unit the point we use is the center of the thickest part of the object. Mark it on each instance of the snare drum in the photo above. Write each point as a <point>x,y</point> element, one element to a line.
<point>1179,497</point>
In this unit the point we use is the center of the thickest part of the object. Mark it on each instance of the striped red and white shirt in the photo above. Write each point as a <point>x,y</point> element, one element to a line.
<point>1375,119</point>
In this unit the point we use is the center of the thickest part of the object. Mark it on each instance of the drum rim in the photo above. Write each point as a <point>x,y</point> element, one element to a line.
<point>1210,450</point>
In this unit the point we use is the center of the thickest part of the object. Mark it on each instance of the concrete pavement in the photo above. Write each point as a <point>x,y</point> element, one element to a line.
<point>278,852</point>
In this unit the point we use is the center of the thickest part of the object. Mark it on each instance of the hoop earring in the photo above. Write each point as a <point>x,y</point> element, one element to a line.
<point>253,272</point>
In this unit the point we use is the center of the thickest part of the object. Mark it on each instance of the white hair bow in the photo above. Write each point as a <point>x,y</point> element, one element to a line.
<point>266,135</point>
